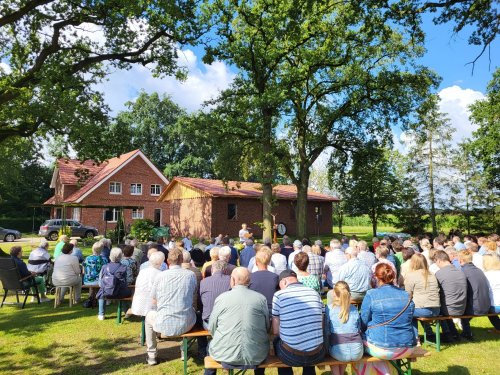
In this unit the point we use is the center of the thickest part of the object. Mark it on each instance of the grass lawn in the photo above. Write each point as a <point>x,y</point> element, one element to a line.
<point>72,341</point>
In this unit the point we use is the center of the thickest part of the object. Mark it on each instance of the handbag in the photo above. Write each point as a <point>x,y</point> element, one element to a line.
<point>393,318</point>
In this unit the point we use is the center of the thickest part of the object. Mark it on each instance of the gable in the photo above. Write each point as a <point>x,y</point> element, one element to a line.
<point>181,191</point>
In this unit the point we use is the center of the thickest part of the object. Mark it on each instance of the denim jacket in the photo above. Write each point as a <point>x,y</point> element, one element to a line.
<point>379,306</point>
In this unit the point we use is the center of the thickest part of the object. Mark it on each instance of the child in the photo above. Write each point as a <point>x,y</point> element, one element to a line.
<point>343,328</point>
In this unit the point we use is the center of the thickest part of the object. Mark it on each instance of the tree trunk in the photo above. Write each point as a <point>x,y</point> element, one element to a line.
<point>267,176</point>
<point>373,218</point>
<point>302,187</point>
<point>431,188</point>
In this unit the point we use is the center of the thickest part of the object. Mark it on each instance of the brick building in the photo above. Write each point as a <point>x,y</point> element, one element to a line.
<point>127,180</point>
<point>209,207</point>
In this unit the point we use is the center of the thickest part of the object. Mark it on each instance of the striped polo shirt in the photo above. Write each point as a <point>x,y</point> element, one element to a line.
<point>300,311</point>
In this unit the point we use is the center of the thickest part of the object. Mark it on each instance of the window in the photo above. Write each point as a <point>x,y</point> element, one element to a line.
<point>136,189</point>
<point>155,189</point>
<point>115,188</point>
<point>232,211</point>
<point>137,213</point>
<point>113,215</point>
<point>76,213</point>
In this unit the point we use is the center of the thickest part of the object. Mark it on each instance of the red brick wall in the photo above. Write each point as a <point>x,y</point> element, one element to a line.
<point>137,171</point>
<point>250,211</point>
<point>192,216</point>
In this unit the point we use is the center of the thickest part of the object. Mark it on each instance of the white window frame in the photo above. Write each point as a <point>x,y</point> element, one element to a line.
<point>134,188</point>
<point>77,213</point>
<point>115,215</point>
<point>113,190</point>
<point>137,213</point>
<point>155,189</point>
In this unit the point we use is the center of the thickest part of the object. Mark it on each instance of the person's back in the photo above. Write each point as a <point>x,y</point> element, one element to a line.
<point>39,260</point>
<point>265,283</point>
<point>334,259</point>
<point>247,253</point>
<point>381,305</point>
<point>211,287</point>
<point>356,274</point>
<point>239,320</point>
<point>142,301</point>
<point>453,290</point>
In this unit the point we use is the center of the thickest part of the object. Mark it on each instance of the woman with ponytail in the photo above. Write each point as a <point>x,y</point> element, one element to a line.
<point>343,328</point>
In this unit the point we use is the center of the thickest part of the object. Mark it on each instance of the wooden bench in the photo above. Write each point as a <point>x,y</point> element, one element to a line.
<point>188,339</point>
<point>402,365</point>
<point>120,300</point>
<point>436,320</point>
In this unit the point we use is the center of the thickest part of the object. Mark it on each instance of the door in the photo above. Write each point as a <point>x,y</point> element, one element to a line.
<point>157,218</point>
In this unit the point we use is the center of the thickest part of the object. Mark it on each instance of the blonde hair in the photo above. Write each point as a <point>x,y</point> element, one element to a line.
<point>418,262</point>
<point>342,298</point>
<point>263,256</point>
<point>425,244</point>
<point>465,256</point>
<point>491,262</point>
<point>315,249</point>
<point>490,246</point>
<point>275,248</point>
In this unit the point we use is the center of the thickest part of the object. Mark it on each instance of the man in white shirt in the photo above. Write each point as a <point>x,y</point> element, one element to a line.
<point>243,233</point>
<point>334,259</point>
<point>297,248</point>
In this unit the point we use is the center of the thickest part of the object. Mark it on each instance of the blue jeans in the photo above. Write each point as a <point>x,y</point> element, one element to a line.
<point>305,361</point>
<point>424,312</point>
<point>349,352</point>
<point>102,306</point>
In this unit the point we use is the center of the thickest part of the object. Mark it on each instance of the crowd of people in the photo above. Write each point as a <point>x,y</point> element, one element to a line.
<point>242,297</point>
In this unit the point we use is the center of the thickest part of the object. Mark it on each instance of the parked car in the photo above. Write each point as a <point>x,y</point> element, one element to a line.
<point>9,235</point>
<point>50,229</point>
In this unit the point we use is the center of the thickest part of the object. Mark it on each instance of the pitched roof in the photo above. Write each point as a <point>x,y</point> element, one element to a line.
<point>68,167</point>
<point>241,189</point>
<point>100,173</point>
<point>51,200</point>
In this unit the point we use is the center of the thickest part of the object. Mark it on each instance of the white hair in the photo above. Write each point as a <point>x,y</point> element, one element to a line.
<point>134,242</point>
<point>44,243</point>
<point>334,244</point>
<point>97,248</point>
<point>186,257</point>
<point>115,255</point>
<point>225,253</point>
<point>156,259</point>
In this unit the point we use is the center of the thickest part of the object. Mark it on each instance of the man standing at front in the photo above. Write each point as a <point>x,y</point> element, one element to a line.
<point>172,292</point>
<point>239,323</point>
<point>297,319</point>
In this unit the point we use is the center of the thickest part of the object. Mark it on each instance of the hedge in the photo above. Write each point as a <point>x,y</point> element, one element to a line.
<point>22,224</point>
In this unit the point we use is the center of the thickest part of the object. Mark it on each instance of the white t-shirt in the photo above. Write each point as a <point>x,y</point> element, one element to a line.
<point>494,284</point>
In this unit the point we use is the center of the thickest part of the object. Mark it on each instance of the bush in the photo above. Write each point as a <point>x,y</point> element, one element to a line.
<point>22,224</point>
<point>65,230</point>
<point>142,229</point>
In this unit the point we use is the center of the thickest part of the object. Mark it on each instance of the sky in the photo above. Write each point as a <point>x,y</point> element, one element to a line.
<point>447,54</point>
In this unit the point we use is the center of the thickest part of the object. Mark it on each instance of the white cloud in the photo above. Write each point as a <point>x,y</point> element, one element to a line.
<point>5,68</point>
<point>203,82</point>
<point>454,103</point>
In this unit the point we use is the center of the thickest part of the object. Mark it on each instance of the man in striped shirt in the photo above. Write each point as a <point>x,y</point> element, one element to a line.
<point>297,320</point>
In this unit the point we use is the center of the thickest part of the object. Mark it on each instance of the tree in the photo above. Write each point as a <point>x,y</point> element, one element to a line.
<point>429,152</point>
<point>160,128</point>
<point>409,210</point>
<point>311,73</point>
<point>24,181</point>
<point>371,184</point>
<point>55,51</point>
<point>486,114</point>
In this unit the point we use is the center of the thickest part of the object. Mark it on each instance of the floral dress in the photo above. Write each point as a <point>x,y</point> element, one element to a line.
<point>311,281</point>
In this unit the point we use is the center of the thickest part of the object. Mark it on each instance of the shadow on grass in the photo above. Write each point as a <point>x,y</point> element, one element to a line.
<point>454,370</point>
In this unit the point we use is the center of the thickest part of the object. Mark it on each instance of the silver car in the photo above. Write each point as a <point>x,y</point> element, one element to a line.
<point>50,229</point>
<point>9,235</point>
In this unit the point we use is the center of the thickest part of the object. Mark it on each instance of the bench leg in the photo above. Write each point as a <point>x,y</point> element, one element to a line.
<point>143,330</point>
<point>119,313</point>
<point>185,353</point>
<point>402,365</point>
<point>438,335</point>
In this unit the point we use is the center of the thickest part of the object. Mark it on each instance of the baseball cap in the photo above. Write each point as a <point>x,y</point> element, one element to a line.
<point>287,273</point>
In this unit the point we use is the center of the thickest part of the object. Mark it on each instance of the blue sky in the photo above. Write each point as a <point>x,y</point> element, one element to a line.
<point>447,54</point>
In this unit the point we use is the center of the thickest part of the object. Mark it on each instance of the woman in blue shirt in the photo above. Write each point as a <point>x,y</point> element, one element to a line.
<point>386,321</point>
<point>343,328</point>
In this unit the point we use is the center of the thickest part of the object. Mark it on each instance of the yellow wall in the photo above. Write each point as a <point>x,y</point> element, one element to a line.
<point>179,191</point>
